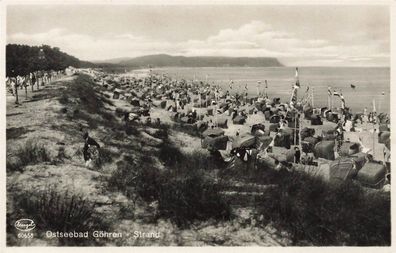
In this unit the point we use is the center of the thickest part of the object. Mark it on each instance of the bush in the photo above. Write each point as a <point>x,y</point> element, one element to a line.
<point>31,152</point>
<point>59,211</point>
<point>64,99</point>
<point>186,198</point>
<point>136,175</point>
<point>182,191</point>
<point>315,212</point>
<point>169,154</point>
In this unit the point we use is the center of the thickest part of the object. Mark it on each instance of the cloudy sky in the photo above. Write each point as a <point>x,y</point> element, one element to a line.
<point>296,35</point>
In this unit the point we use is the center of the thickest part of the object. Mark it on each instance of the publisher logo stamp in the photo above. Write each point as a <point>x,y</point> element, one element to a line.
<point>25,225</point>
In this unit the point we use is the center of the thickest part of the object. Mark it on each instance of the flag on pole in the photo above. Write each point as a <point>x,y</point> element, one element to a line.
<point>339,94</point>
<point>297,85</point>
<point>329,91</point>
<point>342,101</point>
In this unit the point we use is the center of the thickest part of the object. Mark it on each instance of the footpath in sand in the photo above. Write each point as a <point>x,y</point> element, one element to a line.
<point>43,119</point>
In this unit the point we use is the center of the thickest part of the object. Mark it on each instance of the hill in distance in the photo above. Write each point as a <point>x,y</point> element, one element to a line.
<point>164,60</point>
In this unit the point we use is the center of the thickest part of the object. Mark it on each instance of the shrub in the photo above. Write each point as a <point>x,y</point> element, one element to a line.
<point>169,154</point>
<point>189,197</point>
<point>31,152</point>
<point>136,175</point>
<point>182,191</point>
<point>64,99</point>
<point>315,212</point>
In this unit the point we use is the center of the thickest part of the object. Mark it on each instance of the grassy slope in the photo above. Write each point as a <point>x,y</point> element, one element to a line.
<point>53,120</point>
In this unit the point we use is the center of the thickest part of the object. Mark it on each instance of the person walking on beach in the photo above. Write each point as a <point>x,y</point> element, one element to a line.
<point>90,151</point>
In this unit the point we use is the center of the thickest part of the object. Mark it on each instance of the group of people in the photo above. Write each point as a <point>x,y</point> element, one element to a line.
<point>32,79</point>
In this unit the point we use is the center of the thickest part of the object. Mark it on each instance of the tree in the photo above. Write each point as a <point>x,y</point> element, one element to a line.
<point>22,60</point>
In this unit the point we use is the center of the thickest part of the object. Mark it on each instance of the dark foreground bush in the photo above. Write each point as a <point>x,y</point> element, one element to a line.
<point>186,198</point>
<point>31,152</point>
<point>136,176</point>
<point>315,212</point>
<point>183,192</point>
<point>59,211</point>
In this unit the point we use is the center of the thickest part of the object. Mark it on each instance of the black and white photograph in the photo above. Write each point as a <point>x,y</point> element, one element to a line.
<point>197,124</point>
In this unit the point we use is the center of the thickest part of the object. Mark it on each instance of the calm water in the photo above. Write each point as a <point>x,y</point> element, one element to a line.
<point>369,82</point>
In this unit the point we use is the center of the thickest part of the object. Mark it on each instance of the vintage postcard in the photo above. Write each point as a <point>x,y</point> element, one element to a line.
<point>231,124</point>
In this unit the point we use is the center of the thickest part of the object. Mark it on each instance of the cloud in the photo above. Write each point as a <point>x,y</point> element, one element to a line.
<point>252,39</point>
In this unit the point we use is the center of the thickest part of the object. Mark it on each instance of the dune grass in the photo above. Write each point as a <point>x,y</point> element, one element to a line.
<point>32,152</point>
<point>183,190</point>
<point>314,212</point>
<point>87,103</point>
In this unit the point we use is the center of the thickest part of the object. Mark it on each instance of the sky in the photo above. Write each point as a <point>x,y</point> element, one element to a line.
<point>303,35</point>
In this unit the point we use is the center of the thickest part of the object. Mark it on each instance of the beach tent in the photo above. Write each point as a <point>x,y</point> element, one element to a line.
<point>215,143</point>
<point>349,148</point>
<point>307,132</point>
<point>186,120</point>
<point>308,111</point>
<point>135,102</point>
<point>316,120</point>
<point>360,159</point>
<point>239,120</point>
<point>276,101</point>
<point>201,125</point>
<point>308,144</point>
<point>329,134</point>
<point>116,93</point>
<point>274,110</point>
<point>222,122</point>
<point>263,140</point>
<point>267,115</point>
<point>292,123</point>
<point>275,119</point>
<point>213,132</point>
<point>283,139</point>
<point>342,169</point>
<point>290,155</point>
<point>384,128</point>
<point>245,141</point>
<point>256,127</point>
<point>324,149</point>
<point>372,175</point>
<point>383,137</point>
<point>274,127</point>
<point>332,117</point>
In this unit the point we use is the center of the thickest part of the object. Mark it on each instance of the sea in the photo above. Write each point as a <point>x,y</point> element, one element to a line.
<point>371,83</point>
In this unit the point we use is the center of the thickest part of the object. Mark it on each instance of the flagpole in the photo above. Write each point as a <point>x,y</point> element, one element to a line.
<point>313,97</point>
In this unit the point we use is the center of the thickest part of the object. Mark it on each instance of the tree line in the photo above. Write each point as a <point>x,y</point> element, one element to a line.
<point>22,60</point>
